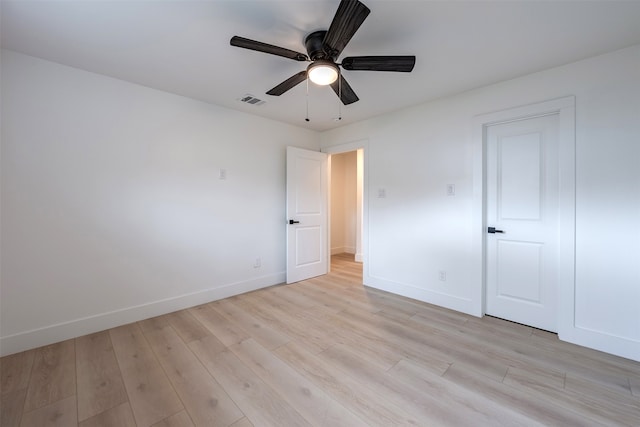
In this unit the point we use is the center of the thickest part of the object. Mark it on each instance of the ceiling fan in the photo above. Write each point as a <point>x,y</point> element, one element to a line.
<point>324,48</point>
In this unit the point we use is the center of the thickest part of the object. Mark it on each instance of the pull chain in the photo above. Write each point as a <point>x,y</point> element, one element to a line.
<point>307,117</point>
<point>339,97</point>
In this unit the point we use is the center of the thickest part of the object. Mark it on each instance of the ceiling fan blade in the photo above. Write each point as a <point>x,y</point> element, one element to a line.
<point>379,63</point>
<point>348,18</point>
<point>344,91</point>
<point>291,82</point>
<point>267,48</point>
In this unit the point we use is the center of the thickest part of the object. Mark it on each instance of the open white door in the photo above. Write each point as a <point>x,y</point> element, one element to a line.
<point>306,214</point>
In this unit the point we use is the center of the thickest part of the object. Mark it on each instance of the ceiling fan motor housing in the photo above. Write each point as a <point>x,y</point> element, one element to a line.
<point>315,45</point>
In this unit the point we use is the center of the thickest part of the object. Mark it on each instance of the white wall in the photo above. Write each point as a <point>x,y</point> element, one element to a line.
<point>112,209</point>
<point>343,202</point>
<point>112,206</point>
<point>417,230</point>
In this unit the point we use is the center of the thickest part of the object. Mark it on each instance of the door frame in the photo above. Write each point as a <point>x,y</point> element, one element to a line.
<point>565,108</point>
<point>363,145</point>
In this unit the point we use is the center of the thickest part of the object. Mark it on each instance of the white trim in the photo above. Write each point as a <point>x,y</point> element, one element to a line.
<point>343,250</point>
<point>565,108</point>
<point>337,250</point>
<point>464,305</point>
<point>75,328</point>
<point>346,147</point>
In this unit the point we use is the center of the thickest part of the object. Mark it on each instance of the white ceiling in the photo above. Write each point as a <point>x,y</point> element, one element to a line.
<point>183,46</point>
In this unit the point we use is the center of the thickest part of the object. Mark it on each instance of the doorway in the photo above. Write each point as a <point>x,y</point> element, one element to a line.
<point>345,234</point>
<point>354,227</point>
<point>308,196</point>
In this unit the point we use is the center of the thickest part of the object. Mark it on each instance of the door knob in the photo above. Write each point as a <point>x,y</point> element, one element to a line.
<point>492,230</point>
<point>291,221</point>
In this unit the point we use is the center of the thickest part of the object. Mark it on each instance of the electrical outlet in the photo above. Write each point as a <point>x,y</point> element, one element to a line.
<point>258,263</point>
<point>442,276</point>
<point>382,193</point>
<point>222,174</point>
<point>451,189</point>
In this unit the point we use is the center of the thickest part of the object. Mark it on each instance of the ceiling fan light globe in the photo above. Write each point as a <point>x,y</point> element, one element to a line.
<point>323,73</point>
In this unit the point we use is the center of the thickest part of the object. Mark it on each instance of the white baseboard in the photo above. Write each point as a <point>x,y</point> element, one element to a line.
<point>598,340</point>
<point>431,297</point>
<point>75,328</point>
<point>343,250</point>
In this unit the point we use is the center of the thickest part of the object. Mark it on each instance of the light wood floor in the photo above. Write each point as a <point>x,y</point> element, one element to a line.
<point>324,352</point>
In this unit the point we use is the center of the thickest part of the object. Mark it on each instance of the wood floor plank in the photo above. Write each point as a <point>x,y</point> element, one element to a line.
<point>211,345</point>
<point>118,416</point>
<point>373,347</point>
<point>597,391</point>
<point>482,410</point>
<point>428,409</point>
<point>545,354</point>
<point>607,412</point>
<point>243,423</point>
<point>327,330</point>
<point>610,371</point>
<point>323,334</point>
<point>482,343</point>
<point>281,298</point>
<point>204,399</point>
<point>590,357</point>
<point>262,405</point>
<point>309,400</point>
<point>295,321</point>
<point>634,384</point>
<point>517,399</point>
<point>100,385</point>
<point>435,318</point>
<point>218,325</point>
<point>381,302</point>
<point>285,321</point>
<point>15,371</point>
<point>503,327</point>
<point>11,405</point>
<point>285,294</point>
<point>256,328</point>
<point>366,403</point>
<point>53,376</point>
<point>61,413</point>
<point>316,289</point>
<point>420,341</point>
<point>187,326</point>
<point>181,419</point>
<point>150,393</point>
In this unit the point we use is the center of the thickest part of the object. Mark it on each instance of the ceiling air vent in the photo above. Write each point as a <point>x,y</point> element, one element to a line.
<point>250,99</point>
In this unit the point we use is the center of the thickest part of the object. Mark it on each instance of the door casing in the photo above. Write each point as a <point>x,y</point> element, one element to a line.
<point>565,108</point>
